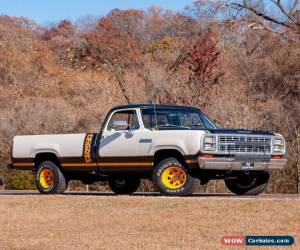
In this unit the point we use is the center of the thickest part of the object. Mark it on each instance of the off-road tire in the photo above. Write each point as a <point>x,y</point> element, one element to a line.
<point>241,186</point>
<point>124,185</point>
<point>186,189</point>
<point>59,181</point>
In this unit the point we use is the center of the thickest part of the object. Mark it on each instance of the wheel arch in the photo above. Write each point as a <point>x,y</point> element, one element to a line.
<point>46,156</point>
<point>162,154</point>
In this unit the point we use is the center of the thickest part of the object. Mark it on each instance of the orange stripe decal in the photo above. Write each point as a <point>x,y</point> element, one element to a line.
<point>191,161</point>
<point>79,164</point>
<point>108,164</point>
<point>23,164</point>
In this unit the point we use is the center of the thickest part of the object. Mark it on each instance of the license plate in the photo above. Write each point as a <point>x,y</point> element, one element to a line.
<point>247,165</point>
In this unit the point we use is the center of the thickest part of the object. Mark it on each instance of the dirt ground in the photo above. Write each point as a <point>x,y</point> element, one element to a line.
<point>138,222</point>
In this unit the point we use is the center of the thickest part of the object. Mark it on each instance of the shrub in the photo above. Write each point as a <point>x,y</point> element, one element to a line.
<point>21,180</point>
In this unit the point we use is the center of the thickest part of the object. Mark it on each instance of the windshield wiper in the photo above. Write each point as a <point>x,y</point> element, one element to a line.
<point>167,125</point>
<point>199,125</point>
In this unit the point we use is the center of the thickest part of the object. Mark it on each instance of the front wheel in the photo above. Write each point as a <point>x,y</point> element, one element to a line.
<point>172,178</point>
<point>49,179</point>
<point>124,184</point>
<point>248,184</point>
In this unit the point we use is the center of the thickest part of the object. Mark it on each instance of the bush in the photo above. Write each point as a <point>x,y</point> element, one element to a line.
<point>21,180</point>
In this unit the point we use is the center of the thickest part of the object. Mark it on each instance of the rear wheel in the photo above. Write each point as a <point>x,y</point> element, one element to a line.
<point>172,178</point>
<point>49,179</point>
<point>248,184</point>
<point>124,184</point>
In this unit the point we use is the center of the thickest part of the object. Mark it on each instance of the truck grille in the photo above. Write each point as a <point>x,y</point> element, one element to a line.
<point>233,139</point>
<point>244,144</point>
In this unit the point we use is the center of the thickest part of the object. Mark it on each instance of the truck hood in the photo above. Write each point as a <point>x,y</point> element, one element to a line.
<point>239,131</point>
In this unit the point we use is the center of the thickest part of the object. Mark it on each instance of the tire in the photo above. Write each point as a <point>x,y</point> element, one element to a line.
<point>164,178</point>
<point>124,184</point>
<point>49,179</point>
<point>251,184</point>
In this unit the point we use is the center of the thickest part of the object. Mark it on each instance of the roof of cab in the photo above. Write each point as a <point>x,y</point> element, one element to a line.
<point>157,106</point>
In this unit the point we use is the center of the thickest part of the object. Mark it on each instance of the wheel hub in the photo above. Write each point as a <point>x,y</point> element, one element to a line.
<point>46,178</point>
<point>174,177</point>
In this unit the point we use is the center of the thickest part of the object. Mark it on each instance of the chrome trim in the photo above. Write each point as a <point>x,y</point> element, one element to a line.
<point>244,143</point>
<point>224,163</point>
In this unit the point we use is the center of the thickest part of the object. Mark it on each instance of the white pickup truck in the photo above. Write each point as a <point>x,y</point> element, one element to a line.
<point>177,147</point>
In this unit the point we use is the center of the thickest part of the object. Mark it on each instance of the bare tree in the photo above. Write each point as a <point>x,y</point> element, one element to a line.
<point>290,19</point>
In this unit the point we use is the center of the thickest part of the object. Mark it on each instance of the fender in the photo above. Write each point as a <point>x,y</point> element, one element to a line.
<point>53,149</point>
<point>160,147</point>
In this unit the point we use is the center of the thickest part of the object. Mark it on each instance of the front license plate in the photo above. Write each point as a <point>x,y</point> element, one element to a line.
<point>247,165</point>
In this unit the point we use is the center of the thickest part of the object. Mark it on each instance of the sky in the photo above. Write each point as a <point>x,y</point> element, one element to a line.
<point>47,11</point>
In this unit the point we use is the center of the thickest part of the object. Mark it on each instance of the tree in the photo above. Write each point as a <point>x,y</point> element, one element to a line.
<point>65,28</point>
<point>114,45</point>
<point>202,57</point>
<point>287,18</point>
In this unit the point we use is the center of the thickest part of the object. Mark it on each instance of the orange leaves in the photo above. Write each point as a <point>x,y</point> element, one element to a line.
<point>65,28</point>
<point>109,40</point>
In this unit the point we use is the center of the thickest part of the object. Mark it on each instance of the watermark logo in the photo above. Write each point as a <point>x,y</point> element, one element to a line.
<point>269,240</point>
<point>257,240</point>
<point>233,240</point>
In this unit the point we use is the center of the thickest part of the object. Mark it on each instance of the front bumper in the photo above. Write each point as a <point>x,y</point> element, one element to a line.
<point>224,163</point>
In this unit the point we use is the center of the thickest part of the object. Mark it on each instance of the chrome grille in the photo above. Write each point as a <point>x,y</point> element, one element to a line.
<point>233,139</point>
<point>246,149</point>
<point>244,144</point>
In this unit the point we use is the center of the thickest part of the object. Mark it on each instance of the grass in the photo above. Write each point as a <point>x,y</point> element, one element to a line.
<point>131,222</point>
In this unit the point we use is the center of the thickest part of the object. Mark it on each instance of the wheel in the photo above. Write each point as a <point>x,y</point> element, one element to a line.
<point>49,179</point>
<point>172,178</point>
<point>124,184</point>
<point>248,184</point>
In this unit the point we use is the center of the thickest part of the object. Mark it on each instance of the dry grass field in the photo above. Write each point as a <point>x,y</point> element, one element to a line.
<point>137,222</point>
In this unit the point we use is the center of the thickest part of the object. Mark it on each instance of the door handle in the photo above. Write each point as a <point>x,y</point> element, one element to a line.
<point>145,140</point>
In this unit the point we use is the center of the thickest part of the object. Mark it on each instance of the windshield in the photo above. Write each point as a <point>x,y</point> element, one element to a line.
<point>165,118</point>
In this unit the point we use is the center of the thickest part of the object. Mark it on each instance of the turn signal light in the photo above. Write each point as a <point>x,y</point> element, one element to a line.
<point>276,157</point>
<point>207,155</point>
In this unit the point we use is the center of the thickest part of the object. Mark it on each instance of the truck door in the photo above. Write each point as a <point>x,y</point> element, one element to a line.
<point>119,145</point>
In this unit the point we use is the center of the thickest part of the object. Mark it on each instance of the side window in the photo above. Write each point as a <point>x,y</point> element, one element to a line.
<point>124,120</point>
<point>189,119</point>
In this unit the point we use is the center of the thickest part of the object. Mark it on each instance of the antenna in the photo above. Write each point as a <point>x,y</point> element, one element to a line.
<point>155,116</point>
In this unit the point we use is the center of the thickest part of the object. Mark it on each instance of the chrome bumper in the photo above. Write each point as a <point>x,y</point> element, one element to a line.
<point>223,163</point>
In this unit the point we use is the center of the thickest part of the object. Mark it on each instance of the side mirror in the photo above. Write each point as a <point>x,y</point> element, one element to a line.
<point>120,125</point>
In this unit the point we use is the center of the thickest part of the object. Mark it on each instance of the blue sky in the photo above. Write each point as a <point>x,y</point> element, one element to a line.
<point>47,11</point>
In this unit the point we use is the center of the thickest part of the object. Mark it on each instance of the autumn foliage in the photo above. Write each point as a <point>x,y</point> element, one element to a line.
<point>64,78</point>
<point>203,59</point>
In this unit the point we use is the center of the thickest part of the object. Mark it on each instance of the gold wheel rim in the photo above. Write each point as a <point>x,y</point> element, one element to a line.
<point>173,177</point>
<point>46,178</point>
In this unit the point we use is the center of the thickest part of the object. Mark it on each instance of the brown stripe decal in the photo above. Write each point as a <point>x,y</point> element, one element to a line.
<point>23,163</point>
<point>126,164</point>
<point>22,160</point>
<point>125,159</point>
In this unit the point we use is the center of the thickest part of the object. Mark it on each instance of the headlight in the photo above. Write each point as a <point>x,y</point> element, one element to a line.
<point>278,145</point>
<point>278,141</point>
<point>209,139</point>
<point>209,143</point>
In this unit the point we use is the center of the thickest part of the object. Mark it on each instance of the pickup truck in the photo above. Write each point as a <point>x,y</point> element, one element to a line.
<point>177,147</point>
